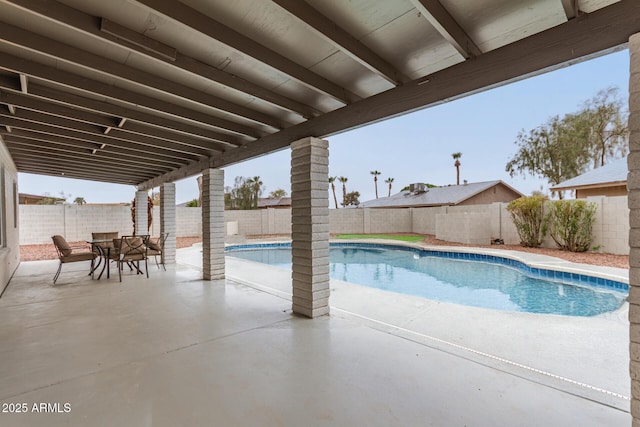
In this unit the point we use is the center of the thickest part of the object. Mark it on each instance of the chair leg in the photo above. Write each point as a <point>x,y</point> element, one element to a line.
<point>120,270</point>
<point>146,267</point>
<point>57,274</point>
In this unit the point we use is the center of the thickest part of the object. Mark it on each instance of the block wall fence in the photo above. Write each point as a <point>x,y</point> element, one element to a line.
<point>476,224</point>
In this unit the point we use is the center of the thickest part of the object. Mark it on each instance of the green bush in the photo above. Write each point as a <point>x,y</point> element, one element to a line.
<point>528,215</point>
<point>570,224</point>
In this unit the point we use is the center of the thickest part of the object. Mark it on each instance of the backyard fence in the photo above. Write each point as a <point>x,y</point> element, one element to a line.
<point>473,224</point>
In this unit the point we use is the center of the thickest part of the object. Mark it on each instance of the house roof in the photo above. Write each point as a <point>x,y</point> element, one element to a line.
<point>145,92</point>
<point>272,203</point>
<point>613,173</point>
<point>437,196</point>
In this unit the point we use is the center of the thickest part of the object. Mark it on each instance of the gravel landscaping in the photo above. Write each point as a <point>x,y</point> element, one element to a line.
<point>47,251</point>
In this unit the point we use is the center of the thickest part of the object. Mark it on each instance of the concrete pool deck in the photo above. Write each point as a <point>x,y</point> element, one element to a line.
<point>176,350</point>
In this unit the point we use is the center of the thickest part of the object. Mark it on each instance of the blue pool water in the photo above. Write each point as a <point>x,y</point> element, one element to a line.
<point>474,283</point>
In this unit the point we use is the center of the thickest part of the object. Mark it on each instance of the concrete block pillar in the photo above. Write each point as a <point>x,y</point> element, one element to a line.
<point>310,226</point>
<point>168,221</point>
<point>142,217</point>
<point>633,184</point>
<point>213,224</point>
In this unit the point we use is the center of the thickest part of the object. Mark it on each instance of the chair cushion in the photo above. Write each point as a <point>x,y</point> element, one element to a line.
<point>62,245</point>
<point>78,256</point>
<point>154,246</point>
<point>105,236</point>
<point>132,248</point>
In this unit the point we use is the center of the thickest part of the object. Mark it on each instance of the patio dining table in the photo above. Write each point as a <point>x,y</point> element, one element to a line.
<point>104,254</point>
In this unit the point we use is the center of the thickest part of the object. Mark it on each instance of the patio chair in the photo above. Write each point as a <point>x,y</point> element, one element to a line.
<point>66,254</point>
<point>132,250</point>
<point>155,247</point>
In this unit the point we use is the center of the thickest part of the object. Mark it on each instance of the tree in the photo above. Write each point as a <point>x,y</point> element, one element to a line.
<point>343,180</point>
<point>375,179</point>
<point>556,150</point>
<point>192,203</point>
<point>352,199</point>
<point>456,157</point>
<point>277,194</point>
<point>241,195</point>
<point>564,147</point>
<point>79,201</point>
<point>256,186</point>
<point>608,135</point>
<point>333,189</point>
<point>390,182</point>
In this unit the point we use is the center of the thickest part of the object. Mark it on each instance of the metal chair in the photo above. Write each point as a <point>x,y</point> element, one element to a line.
<point>66,255</point>
<point>132,250</point>
<point>155,248</point>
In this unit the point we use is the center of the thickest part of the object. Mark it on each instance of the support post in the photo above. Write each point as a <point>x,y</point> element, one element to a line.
<point>212,224</point>
<point>142,217</point>
<point>310,226</point>
<point>168,221</point>
<point>633,185</point>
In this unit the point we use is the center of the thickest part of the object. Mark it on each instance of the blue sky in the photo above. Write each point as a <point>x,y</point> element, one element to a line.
<point>416,147</point>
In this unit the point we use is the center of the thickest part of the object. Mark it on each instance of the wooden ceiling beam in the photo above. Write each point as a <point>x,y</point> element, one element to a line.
<point>75,145</point>
<point>571,8</point>
<point>76,174</point>
<point>101,107</point>
<point>19,65</point>
<point>208,26</point>
<point>72,55</point>
<point>47,129</point>
<point>103,156</point>
<point>71,167</point>
<point>447,26</point>
<point>341,39</point>
<point>122,37</point>
<point>111,123</point>
<point>18,152</point>
<point>94,133</point>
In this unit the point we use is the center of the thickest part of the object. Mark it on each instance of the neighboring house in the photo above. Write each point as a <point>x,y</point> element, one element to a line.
<point>33,199</point>
<point>279,203</point>
<point>477,193</point>
<point>608,180</point>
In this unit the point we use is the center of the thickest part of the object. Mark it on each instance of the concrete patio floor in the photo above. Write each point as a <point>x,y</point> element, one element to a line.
<point>176,350</point>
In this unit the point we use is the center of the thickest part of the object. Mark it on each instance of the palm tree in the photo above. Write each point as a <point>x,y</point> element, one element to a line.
<point>375,180</point>
<point>79,201</point>
<point>344,180</point>
<point>257,189</point>
<point>389,181</point>
<point>456,157</point>
<point>333,189</point>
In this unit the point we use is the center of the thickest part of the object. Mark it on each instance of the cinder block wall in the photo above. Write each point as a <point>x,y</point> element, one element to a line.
<point>464,227</point>
<point>39,223</point>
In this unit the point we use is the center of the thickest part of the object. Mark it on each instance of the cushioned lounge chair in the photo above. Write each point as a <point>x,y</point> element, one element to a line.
<point>66,254</point>
<point>132,250</point>
<point>155,247</point>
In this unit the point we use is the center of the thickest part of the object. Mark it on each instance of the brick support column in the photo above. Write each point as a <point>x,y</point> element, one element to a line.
<point>633,184</point>
<point>168,221</point>
<point>310,226</point>
<point>142,218</point>
<point>213,224</point>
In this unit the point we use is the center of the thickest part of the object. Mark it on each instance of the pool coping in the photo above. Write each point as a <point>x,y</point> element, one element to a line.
<point>534,265</point>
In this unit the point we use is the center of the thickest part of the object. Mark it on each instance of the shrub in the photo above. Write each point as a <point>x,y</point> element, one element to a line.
<point>527,214</point>
<point>570,224</point>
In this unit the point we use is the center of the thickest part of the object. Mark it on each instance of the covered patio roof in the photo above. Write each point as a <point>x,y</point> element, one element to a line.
<point>150,91</point>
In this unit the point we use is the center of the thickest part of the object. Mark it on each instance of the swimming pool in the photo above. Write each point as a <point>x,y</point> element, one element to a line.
<point>462,278</point>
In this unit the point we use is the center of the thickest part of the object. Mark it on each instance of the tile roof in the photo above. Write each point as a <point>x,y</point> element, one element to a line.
<point>613,172</point>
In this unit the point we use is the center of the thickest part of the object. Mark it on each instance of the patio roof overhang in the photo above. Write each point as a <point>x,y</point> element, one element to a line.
<point>149,91</point>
